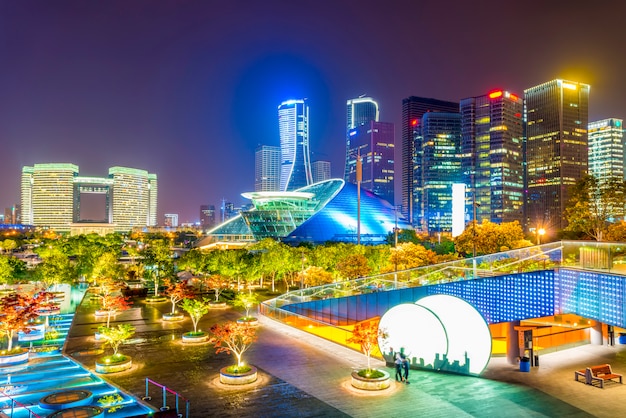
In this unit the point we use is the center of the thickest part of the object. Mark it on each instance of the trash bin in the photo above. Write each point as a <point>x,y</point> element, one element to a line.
<point>524,364</point>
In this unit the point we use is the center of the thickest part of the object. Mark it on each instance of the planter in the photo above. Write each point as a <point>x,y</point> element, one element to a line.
<point>79,411</point>
<point>249,320</point>
<point>18,357</point>
<point>218,305</point>
<point>156,299</point>
<point>45,350</point>
<point>192,337</point>
<point>173,316</point>
<point>110,364</point>
<point>367,383</point>
<point>238,378</point>
<point>37,332</point>
<point>66,399</point>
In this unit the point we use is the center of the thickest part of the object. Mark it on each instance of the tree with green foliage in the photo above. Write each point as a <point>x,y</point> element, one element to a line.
<point>55,267</point>
<point>196,308</point>
<point>6,271</point>
<point>316,276</point>
<point>8,245</point>
<point>115,336</point>
<point>105,265</point>
<point>158,262</point>
<point>246,300</point>
<point>593,206</point>
<point>491,238</point>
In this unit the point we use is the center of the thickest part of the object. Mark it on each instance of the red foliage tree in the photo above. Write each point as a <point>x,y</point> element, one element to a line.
<point>233,337</point>
<point>16,310</point>
<point>176,291</point>
<point>366,335</point>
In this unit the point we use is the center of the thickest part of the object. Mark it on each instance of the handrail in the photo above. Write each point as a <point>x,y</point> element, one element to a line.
<point>15,402</point>
<point>165,390</point>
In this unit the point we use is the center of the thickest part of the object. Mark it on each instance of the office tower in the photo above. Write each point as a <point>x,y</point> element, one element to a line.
<point>207,216</point>
<point>133,198</point>
<point>171,220</point>
<point>359,112</point>
<point>267,169</point>
<point>13,215</point>
<point>556,115</point>
<point>374,142</point>
<point>320,170</point>
<point>228,210</point>
<point>293,125</point>
<point>48,196</point>
<point>437,169</point>
<point>606,150</point>
<point>8,216</point>
<point>413,108</point>
<point>153,187</point>
<point>492,156</point>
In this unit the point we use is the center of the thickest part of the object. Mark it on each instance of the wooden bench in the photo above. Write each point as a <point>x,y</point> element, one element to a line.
<point>597,373</point>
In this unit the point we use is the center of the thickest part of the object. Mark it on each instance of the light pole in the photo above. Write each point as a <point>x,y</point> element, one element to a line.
<point>540,232</point>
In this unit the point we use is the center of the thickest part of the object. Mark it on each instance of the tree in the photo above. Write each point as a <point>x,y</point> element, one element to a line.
<point>115,336</point>
<point>158,259</point>
<point>353,266</point>
<point>616,232</point>
<point>16,310</point>
<point>316,276</point>
<point>176,291</point>
<point>233,337</point>
<point>491,238</point>
<point>217,283</point>
<point>8,245</point>
<point>593,206</point>
<point>246,300</point>
<point>196,308</point>
<point>116,304</point>
<point>366,334</point>
<point>55,267</point>
<point>6,270</point>
<point>105,265</point>
<point>409,255</point>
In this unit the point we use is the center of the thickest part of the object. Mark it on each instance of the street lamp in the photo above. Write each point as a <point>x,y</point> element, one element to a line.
<point>540,232</point>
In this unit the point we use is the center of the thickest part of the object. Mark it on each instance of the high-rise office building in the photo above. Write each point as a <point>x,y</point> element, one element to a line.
<point>320,170</point>
<point>492,156</point>
<point>293,125</point>
<point>359,111</point>
<point>13,215</point>
<point>48,197</point>
<point>374,144</point>
<point>436,170</point>
<point>171,220</point>
<point>267,169</point>
<point>606,150</point>
<point>556,116</point>
<point>413,108</point>
<point>207,216</point>
<point>51,196</point>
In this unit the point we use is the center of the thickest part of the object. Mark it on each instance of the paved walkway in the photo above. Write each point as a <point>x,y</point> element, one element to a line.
<point>303,376</point>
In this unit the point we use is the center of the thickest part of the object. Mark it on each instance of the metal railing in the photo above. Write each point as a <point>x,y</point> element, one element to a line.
<point>15,402</point>
<point>164,391</point>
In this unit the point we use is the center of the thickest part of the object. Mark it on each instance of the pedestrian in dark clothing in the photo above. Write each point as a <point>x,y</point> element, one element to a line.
<point>398,362</point>
<point>405,367</point>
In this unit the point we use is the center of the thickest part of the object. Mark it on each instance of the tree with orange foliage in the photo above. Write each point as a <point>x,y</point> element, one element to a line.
<point>116,304</point>
<point>176,291</point>
<point>16,310</point>
<point>217,283</point>
<point>233,337</point>
<point>366,334</point>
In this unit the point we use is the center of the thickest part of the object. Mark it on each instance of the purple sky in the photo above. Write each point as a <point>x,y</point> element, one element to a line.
<point>188,89</point>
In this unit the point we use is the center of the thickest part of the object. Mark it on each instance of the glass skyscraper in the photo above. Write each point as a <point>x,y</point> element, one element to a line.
<point>437,168</point>
<point>295,164</point>
<point>606,150</point>
<point>359,111</point>
<point>374,142</point>
<point>492,156</point>
<point>556,114</point>
<point>413,108</point>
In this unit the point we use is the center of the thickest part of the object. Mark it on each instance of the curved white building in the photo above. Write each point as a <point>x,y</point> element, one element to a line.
<point>295,161</point>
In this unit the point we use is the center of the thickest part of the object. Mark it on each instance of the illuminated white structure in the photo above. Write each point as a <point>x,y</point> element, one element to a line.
<point>359,111</point>
<point>458,209</point>
<point>438,332</point>
<point>51,196</point>
<point>295,164</point>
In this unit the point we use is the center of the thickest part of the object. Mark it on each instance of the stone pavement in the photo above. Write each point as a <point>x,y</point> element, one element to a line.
<point>304,376</point>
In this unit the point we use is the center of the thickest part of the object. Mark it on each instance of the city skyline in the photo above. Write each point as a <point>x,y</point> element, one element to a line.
<point>188,91</point>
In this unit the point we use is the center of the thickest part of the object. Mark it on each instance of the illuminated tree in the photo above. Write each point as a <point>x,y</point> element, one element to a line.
<point>246,301</point>
<point>353,266</point>
<point>6,270</point>
<point>316,276</point>
<point>233,337</point>
<point>16,310</point>
<point>176,291</point>
<point>409,255</point>
<point>491,238</point>
<point>115,336</point>
<point>116,304</point>
<point>366,334</point>
<point>217,283</point>
<point>196,308</point>
<point>106,265</point>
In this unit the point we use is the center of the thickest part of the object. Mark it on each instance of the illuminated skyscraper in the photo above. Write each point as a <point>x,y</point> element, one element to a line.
<point>374,141</point>
<point>493,161</point>
<point>293,125</point>
<point>556,115</point>
<point>48,197</point>
<point>413,108</point>
<point>153,187</point>
<point>171,220</point>
<point>320,170</point>
<point>437,170</point>
<point>267,169</point>
<point>606,150</point>
<point>133,197</point>
<point>360,111</point>
<point>207,216</point>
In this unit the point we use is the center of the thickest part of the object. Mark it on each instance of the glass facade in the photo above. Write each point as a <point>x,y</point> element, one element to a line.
<point>295,164</point>
<point>437,167</point>
<point>322,212</point>
<point>267,169</point>
<point>556,115</point>
<point>374,142</point>
<point>606,150</point>
<point>360,111</point>
<point>492,156</point>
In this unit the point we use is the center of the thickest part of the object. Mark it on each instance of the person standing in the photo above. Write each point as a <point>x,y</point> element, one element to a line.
<point>398,362</point>
<point>405,367</point>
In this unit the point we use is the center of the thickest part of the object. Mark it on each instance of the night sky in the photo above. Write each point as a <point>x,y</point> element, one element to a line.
<point>189,89</point>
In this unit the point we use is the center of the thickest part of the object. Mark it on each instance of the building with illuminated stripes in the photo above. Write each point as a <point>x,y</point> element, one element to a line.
<point>606,150</point>
<point>556,116</point>
<point>293,126</point>
<point>492,156</point>
<point>51,196</point>
<point>359,111</point>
